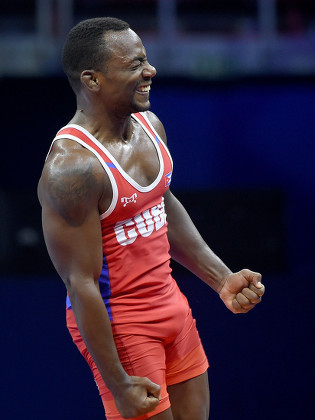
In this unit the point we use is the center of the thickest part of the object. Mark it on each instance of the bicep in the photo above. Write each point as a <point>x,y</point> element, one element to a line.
<point>172,206</point>
<point>69,192</point>
<point>75,250</point>
<point>181,229</point>
<point>173,210</point>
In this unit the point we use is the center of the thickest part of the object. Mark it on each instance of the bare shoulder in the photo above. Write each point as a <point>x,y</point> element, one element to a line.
<point>157,125</point>
<point>72,181</point>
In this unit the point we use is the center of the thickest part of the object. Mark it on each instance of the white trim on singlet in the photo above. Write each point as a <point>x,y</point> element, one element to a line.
<point>117,165</point>
<point>102,162</point>
<point>154,131</point>
<point>114,161</point>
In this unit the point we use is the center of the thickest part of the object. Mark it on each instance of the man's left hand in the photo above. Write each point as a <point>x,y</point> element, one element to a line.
<point>242,291</point>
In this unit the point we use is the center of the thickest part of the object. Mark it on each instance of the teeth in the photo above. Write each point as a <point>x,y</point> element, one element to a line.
<point>144,88</point>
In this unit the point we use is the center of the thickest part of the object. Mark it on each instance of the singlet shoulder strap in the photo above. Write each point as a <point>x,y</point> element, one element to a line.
<point>144,121</point>
<point>82,136</point>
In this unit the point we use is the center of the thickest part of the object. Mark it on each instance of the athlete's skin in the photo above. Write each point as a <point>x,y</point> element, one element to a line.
<point>74,190</point>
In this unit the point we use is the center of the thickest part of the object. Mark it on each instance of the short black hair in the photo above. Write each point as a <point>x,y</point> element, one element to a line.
<point>85,47</point>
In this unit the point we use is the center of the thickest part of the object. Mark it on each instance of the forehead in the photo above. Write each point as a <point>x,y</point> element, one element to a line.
<point>124,46</point>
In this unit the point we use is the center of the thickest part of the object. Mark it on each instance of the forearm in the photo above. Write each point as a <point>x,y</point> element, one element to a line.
<point>189,249</point>
<point>94,325</point>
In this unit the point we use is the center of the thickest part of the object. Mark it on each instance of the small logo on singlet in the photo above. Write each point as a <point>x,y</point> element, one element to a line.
<point>168,178</point>
<point>127,200</point>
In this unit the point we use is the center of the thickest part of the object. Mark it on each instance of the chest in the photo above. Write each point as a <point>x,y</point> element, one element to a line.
<point>138,157</point>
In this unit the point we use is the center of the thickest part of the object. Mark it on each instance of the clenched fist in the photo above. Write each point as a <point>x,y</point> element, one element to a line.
<point>136,397</point>
<point>242,291</point>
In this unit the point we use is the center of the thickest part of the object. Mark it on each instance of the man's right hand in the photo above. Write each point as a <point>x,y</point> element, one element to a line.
<point>139,396</point>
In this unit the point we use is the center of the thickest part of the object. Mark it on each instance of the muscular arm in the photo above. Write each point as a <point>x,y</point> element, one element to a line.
<point>188,247</point>
<point>239,291</point>
<point>70,190</point>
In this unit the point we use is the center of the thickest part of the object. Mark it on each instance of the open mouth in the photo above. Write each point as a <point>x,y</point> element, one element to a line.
<point>144,89</point>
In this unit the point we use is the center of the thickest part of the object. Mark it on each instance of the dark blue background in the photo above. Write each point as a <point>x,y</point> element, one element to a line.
<point>228,138</point>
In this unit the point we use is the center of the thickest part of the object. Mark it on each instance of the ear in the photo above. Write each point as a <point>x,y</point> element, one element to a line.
<point>90,80</point>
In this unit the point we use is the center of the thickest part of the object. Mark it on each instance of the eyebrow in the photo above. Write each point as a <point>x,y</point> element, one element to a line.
<point>139,58</point>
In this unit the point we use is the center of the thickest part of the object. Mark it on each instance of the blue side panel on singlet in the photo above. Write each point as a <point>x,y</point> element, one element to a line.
<point>104,288</point>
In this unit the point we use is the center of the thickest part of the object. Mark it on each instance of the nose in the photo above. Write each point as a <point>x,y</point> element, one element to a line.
<point>149,71</point>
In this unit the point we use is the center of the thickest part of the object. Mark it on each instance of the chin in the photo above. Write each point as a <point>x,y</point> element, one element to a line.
<point>136,107</point>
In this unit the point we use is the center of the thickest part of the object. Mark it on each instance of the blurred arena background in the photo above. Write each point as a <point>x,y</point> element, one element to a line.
<point>235,90</point>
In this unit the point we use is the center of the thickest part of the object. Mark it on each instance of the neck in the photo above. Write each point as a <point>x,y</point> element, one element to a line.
<point>104,126</point>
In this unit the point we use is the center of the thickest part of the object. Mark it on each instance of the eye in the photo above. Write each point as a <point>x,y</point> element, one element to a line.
<point>136,65</point>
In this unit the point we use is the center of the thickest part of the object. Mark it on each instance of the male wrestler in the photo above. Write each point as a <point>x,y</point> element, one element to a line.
<point>105,195</point>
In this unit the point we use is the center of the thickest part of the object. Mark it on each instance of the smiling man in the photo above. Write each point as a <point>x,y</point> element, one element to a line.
<point>111,226</point>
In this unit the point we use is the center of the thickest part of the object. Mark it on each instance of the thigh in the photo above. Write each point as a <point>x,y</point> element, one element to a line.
<point>140,356</point>
<point>165,415</point>
<point>190,400</point>
<point>185,357</point>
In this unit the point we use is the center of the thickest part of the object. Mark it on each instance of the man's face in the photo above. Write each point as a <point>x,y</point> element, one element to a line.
<point>128,74</point>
